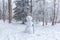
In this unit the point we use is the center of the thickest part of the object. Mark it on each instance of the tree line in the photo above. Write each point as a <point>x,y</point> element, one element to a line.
<point>41,11</point>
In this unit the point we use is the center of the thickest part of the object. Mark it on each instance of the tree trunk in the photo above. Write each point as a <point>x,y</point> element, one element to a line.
<point>57,13</point>
<point>9,11</point>
<point>53,20</point>
<point>43,11</point>
<point>3,12</point>
<point>31,8</point>
<point>31,13</point>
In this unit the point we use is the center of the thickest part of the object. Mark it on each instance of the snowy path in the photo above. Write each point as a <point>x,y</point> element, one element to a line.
<point>15,32</point>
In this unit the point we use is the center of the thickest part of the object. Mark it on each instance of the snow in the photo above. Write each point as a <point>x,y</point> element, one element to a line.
<point>15,31</point>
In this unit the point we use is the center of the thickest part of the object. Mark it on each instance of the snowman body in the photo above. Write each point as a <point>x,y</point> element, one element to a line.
<point>29,27</point>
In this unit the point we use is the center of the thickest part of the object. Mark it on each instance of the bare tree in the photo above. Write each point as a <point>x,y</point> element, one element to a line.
<point>43,11</point>
<point>9,11</point>
<point>57,9</point>
<point>3,15</point>
<point>53,20</point>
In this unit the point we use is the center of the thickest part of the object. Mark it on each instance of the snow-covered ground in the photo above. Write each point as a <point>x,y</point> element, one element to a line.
<point>15,31</point>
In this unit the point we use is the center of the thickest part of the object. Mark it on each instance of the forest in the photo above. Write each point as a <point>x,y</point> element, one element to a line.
<point>29,19</point>
<point>40,10</point>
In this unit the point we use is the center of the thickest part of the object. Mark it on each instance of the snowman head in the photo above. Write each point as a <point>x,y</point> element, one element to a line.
<point>29,18</point>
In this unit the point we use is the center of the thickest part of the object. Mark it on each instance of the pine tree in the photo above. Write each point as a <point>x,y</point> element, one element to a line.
<point>21,10</point>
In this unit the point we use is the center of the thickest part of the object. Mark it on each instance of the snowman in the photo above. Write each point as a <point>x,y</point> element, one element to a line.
<point>29,28</point>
